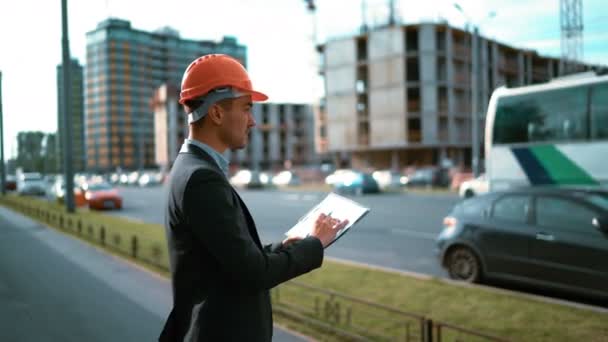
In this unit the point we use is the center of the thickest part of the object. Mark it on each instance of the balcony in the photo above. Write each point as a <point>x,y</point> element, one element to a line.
<point>363,139</point>
<point>413,106</point>
<point>462,52</point>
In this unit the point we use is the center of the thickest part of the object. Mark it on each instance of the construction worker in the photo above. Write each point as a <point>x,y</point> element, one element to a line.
<point>221,273</point>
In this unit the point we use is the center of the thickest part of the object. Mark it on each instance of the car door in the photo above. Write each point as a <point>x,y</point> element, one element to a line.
<point>568,249</point>
<point>506,234</point>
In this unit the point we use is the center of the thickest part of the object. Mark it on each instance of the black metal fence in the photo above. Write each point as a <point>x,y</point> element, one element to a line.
<point>356,319</point>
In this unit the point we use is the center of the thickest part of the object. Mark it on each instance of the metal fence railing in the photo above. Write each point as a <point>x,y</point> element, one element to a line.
<point>356,319</point>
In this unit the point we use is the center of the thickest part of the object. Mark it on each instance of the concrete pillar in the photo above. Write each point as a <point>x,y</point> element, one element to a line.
<point>427,61</point>
<point>520,69</point>
<point>495,83</point>
<point>449,52</point>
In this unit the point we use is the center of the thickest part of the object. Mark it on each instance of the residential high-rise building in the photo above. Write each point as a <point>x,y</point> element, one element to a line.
<point>400,95</point>
<point>77,115</point>
<point>51,156</point>
<point>124,67</point>
<point>30,152</point>
<point>170,125</point>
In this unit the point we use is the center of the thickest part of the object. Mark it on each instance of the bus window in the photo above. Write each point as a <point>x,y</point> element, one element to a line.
<point>599,112</point>
<point>556,115</point>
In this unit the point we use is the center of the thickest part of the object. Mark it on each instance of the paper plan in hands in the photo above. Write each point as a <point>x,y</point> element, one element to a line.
<point>335,205</point>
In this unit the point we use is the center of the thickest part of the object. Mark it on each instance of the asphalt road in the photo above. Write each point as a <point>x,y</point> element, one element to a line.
<point>56,288</point>
<point>399,231</point>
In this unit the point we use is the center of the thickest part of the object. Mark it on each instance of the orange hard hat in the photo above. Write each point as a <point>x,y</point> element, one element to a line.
<point>209,72</point>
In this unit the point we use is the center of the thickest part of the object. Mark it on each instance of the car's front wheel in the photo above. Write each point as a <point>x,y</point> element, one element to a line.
<point>462,264</point>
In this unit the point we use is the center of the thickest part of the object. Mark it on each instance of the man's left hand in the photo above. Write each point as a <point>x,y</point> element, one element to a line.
<point>291,240</point>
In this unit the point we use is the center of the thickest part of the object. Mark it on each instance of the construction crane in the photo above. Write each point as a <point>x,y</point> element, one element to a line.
<point>571,22</point>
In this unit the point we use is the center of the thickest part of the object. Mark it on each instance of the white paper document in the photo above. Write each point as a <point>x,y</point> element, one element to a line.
<point>338,207</point>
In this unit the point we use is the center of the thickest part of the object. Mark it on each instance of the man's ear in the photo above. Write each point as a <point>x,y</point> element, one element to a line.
<point>216,114</point>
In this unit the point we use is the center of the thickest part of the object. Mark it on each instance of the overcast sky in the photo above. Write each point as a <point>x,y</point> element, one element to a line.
<point>277,33</point>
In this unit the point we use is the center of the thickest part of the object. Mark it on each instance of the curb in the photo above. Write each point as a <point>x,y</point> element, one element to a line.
<point>513,293</point>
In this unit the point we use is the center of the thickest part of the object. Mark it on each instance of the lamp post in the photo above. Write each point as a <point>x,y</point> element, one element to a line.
<point>67,117</point>
<point>475,140</point>
<point>2,166</point>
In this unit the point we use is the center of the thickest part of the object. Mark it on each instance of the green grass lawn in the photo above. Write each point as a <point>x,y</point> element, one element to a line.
<point>496,313</point>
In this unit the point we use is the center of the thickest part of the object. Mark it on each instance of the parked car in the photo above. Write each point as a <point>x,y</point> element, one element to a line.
<point>102,196</point>
<point>389,180</point>
<point>31,183</point>
<point>474,187</point>
<point>549,237</point>
<point>250,179</point>
<point>429,176</point>
<point>10,183</point>
<point>356,183</point>
<point>286,178</point>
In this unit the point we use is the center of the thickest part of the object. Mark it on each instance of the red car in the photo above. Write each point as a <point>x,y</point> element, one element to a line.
<point>102,196</point>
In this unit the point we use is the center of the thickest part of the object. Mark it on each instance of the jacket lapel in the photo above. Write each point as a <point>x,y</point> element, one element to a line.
<point>189,148</point>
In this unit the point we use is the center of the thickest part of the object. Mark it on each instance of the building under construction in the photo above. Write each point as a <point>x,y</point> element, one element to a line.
<point>284,136</point>
<point>400,95</point>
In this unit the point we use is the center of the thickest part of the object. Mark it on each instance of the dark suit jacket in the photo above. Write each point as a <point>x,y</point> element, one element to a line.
<point>221,273</point>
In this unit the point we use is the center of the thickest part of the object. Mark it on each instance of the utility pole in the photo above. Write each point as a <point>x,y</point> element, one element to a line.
<point>2,165</point>
<point>67,117</point>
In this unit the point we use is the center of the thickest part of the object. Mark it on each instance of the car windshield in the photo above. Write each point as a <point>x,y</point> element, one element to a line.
<point>599,199</point>
<point>99,186</point>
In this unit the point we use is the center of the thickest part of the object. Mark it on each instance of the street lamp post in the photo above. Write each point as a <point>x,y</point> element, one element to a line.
<point>67,117</point>
<point>2,166</point>
<point>475,138</point>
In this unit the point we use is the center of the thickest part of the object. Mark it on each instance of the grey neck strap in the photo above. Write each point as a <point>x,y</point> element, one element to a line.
<point>212,97</point>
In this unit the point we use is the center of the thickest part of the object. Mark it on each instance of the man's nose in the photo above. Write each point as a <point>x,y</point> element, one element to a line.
<point>252,122</point>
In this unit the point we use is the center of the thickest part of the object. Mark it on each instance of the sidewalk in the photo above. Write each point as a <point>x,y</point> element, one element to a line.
<point>57,288</point>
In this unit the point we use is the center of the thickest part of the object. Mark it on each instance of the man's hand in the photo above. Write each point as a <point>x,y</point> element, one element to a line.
<point>290,240</point>
<point>326,228</point>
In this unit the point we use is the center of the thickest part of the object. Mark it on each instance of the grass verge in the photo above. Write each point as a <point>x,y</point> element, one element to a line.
<point>500,314</point>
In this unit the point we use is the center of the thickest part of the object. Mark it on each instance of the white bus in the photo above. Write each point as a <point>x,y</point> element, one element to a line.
<point>555,133</point>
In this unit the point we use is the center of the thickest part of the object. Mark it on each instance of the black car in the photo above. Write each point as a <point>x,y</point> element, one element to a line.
<point>555,238</point>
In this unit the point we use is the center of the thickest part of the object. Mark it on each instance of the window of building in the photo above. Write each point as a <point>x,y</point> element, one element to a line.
<point>512,209</point>
<point>599,112</point>
<point>413,99</point>
<point>561,214</point>
<point>413,74</point>
<point>414,133</point>
<point>411,40</point>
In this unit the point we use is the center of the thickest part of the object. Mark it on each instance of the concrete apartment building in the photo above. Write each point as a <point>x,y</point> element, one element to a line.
<point>76,113</point>
<point>123,69</point>
<point>400,96</point>
<point>284,135</point>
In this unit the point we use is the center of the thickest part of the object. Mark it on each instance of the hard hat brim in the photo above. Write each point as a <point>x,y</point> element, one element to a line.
<point>256,96</point>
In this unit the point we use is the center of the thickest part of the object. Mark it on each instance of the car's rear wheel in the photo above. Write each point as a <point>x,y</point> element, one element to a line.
<point>469,193</point>
<point>462,264</point>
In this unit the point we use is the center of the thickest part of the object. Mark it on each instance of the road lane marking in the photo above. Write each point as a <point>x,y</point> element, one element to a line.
<point>413,233</point>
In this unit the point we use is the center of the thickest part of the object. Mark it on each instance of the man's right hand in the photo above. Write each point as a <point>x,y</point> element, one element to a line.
<point>326,228</point>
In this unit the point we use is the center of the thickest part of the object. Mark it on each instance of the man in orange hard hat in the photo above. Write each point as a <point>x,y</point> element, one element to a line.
<point>221,273</point>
